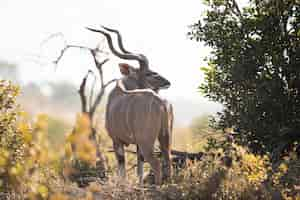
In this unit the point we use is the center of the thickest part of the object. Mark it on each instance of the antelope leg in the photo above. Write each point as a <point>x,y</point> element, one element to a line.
<point>154,163</point>
<point>140,165</point>
<point>120,155</point>
<point>165,145</point>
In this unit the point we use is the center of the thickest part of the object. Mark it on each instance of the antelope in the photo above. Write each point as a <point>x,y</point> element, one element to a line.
<point>136,114</point>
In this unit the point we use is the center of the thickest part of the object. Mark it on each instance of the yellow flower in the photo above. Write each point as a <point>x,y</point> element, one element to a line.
<point>42,122</point>
<point>83,124</point>
<point>23,114</point>
<point>26,132</point>
<point>4,154</point>
<point>3,161</point>
<point>43,191</point>
<point>283,168</point>
<point>68,150</point>
<point>16,170</point>
<point>86,151</point>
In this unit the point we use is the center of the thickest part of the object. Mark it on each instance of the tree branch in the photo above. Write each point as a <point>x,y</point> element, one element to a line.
<point>99,97</point>
<point>235,5</point>
<point>101,93</point>
<point>58,34</point>
<point>109,82</point>
<point>91,108</point>
<point>91,97</point>
<point>56,61</point>
<point>81,92</point>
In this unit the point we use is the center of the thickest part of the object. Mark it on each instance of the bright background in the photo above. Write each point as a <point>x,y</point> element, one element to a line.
<point>155,28</point>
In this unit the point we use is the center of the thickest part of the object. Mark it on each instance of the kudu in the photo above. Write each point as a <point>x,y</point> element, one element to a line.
<point>135,114</point>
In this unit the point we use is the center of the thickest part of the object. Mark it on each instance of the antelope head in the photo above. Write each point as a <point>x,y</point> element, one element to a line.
<point>134,78</point>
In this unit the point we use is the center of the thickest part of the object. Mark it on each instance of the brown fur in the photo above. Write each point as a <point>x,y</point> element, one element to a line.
<point>140,117</point>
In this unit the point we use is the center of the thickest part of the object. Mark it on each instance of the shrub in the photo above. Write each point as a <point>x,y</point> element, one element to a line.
<point>25,160</point>
<point>226,172</point>
<point>286,175</point>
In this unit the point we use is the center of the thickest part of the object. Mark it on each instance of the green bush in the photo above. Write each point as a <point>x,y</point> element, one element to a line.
<point>253,69</point>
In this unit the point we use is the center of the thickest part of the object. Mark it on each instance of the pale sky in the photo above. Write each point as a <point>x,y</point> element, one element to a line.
<point>156,28</point>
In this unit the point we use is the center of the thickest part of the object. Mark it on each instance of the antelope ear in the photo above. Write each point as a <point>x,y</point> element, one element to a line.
<point>124,69</point>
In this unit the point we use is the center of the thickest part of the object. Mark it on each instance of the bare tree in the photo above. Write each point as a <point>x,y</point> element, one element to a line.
<point>90,100</point>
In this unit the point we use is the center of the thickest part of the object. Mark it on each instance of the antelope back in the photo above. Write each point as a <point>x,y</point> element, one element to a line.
<point>134,116</point>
